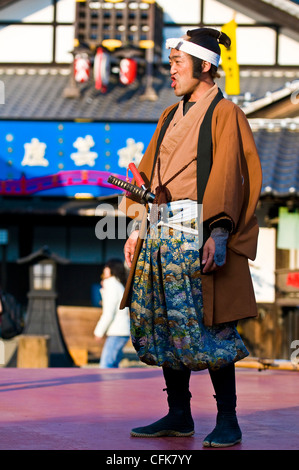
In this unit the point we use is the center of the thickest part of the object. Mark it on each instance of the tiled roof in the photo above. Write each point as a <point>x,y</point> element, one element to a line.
<point>277,142</point>
<point>37,93</point>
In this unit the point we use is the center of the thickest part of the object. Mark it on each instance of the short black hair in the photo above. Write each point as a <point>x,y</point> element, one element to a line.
<point>210,39</point>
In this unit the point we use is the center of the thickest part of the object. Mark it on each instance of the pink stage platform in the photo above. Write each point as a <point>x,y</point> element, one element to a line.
<point>92,409</point>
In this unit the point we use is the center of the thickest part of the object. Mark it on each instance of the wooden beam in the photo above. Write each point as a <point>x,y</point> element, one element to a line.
<point>5,3</point>
<point>272,13</point>
<point>285,108</point>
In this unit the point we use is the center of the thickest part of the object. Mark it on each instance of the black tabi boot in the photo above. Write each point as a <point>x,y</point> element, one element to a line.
<point>178,422</point>
<point>227,431</point>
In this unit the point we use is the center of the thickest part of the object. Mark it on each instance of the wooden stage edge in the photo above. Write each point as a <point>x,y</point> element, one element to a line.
<point>94,409</point>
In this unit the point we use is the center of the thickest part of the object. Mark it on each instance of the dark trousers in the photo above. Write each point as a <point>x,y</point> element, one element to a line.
<point>223,381</point>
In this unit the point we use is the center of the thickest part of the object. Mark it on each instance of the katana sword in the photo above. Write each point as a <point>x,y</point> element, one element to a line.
<point>143,193</point>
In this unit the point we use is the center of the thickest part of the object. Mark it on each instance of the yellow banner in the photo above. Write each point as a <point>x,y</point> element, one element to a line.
<point>229,60</point>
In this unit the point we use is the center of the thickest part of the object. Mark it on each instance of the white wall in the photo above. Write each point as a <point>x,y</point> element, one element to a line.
<point>288,51</point>
<point>178,11</point>
<point>26,43</point>
<point>34,43</point>
<point>217,13</point>
<point>256,45</point>
<point>263,267</point>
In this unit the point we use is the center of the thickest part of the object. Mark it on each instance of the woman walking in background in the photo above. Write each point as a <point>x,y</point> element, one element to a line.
<point>114,324</point>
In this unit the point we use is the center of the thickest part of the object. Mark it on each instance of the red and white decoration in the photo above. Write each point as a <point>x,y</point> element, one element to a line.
<point>127,71</point>
<point>101,70</point>
<point>81,67</point>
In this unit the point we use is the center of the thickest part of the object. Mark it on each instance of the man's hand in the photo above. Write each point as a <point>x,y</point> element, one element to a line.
<point>208,256</point>
<point>130,247</point>
<point>214,250</point>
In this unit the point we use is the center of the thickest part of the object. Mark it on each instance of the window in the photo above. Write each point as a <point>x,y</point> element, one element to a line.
<point>43,276</point>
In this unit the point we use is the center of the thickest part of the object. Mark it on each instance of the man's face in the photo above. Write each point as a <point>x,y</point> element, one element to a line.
<point>181,72</point>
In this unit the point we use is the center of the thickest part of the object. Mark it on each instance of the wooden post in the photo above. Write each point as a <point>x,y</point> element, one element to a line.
<point>33,351</point>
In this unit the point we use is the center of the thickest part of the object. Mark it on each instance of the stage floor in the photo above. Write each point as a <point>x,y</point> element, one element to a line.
<point>93,409</point>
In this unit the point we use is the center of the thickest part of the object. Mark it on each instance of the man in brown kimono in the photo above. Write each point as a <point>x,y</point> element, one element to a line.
<point>202,151</point>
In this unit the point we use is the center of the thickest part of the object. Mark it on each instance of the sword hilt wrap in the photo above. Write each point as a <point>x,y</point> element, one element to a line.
<point>144,194</point>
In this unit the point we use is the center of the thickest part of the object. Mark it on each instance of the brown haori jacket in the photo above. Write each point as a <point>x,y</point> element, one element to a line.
<point>232,191</point>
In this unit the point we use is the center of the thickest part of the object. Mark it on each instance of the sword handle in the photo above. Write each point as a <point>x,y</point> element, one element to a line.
<point>137,176</point>
<point>144,195</point>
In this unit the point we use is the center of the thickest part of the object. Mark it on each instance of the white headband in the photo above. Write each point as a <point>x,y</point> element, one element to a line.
<point>193,49</point>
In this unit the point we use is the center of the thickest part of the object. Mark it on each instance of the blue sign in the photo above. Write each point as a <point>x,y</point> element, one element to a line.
<point>3,237</point>
<point>68,158</point>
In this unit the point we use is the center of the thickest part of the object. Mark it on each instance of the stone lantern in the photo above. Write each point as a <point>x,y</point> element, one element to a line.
<point>42,318</point>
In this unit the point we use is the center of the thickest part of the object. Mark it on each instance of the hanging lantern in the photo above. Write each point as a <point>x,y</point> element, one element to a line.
<point>81,67</point>
<point>101,70</point>
<point>127,71</point>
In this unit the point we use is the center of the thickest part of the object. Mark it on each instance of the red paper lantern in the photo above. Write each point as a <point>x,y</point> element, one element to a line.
<point>127,71</point>
<point>81,67</point>
<point>101,69</point>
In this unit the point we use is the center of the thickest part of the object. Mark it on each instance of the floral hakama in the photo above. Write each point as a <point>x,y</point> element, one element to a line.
<point>167,326</point>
